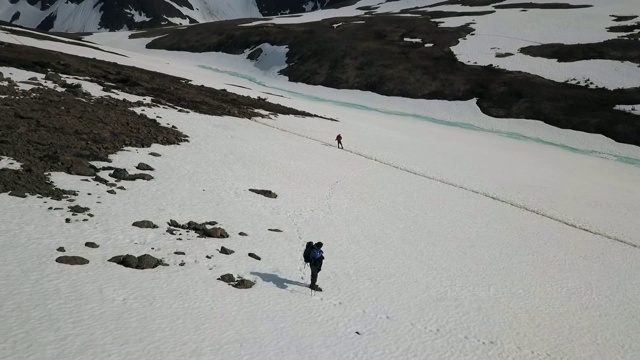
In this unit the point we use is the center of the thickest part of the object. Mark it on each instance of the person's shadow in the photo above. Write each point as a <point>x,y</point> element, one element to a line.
<point>277,280</point>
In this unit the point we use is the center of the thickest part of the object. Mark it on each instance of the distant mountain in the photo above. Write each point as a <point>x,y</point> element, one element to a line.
<point>115,15</point>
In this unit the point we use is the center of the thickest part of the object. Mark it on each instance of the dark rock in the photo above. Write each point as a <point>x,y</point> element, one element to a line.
<point>90,215</point>
<point>33,78</point>
<point>92,245</point>
<point>120,174</point>
<point>216,232</point>
<point>147,261</point>
<point>19,194</point>
<point>77,166</point>
<point>101,180</point>
<point>129,261</point>
<point>67,220</point>
<point>72,260</point>
<point>145,224</point>
<point>275,230</point>
<point>244,284</point>
<point>154,154</point>
<point>179,253</point>
<point>266,193</point>
<point>121,188</point>
<point>181,263</point>
<point>242,233</point>
<point>144,167</point>
<point>255,54</point>
<point>78,209</point>
<point>54,78</point>
<point>171,231</point>
<point>228,278</point>
<point>139,176</point>
<point>60,249</point>
<point>208,256</point>
<point>252,255</point>
<point>174,223</point>
<point>225,251</point>
<point>112,192</point>
<point>117,259</point>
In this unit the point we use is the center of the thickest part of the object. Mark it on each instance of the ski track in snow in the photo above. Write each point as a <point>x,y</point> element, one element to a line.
<point>462,187</point>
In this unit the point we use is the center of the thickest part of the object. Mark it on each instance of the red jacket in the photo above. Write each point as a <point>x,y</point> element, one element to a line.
<point>339,137</point>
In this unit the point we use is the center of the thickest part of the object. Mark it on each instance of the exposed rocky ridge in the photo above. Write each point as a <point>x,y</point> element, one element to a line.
<point>341,54</point>
<point>616,49</point>
<point>67,129</point>
<point>117,15</point>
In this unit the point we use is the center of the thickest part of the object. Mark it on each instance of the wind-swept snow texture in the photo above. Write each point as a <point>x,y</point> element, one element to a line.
<point>459,237</point>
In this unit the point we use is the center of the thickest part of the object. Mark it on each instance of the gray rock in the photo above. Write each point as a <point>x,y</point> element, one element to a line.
<point>179,252</point>
<point>144,167</point>
<point>19,194</point>
<point>275,230</point>
<point>72,260</point>
<point>55,78</point>
<point>129,261</point>
<point>60,249</point>
<point>147,261</point>
<point>77,166</point>
<point>154,154</point>
<point>252,255</point>
<point>92,245</point>
<point>242,233</point>
<point>145,224</point>
<point>228,278</point>
<point>112,192</point>
<point>139,176</point>
<point>120,174</point>
<point>117,259</point>
<point>244,284</point>
<point>77,209</point>
<point>225,251</point>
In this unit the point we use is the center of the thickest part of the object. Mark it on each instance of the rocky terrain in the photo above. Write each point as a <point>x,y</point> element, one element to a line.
<point>370,53</point>
<point>48,130</point>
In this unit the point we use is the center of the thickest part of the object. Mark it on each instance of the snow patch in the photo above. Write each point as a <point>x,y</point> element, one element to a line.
<point>413,40</point>
<point>9,163</point>
<point>634,109</point>
<point>273,58</point>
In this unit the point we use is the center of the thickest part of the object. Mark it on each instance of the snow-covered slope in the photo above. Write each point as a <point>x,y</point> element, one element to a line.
<point>101,15</point>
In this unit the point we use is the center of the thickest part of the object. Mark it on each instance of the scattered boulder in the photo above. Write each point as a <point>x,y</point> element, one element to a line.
<point>77,209</point>
<point>242,233</point>
<point>145,224</point>
<point>216,232</point>
<point>54,78</point>
<point>101,180</point>
<point>92,245</point>
<point>179,252</point>
<point>255,54</point>
<point>72,260</point>
<point>1,76</point>
<point>244,284</point>
<point>61,249</point>
<point>265,193</point>
<point>154,154</point>
<point>77,166</point>
<point>141,262</point>
<point>112,192</point>
<point>228,278</point>
<point>225,251</point>
<point>252,255</point>
<point>19,194</point>
<point>171,231</point>
<point>144,167</point>
<point>67,220</point>
<point>275,230</point>
<point>147,261</point>
<point>120,174</point>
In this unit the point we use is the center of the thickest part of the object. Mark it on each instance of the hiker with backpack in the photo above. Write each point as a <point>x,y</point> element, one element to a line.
<point>339,140</point>
<point>314,255</point>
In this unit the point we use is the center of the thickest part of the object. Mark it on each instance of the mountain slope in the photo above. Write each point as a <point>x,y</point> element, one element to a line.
<point>114,15</point>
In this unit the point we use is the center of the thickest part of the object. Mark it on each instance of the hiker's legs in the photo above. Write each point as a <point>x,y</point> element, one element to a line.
<point>340,145</point>
<point>314,276</point>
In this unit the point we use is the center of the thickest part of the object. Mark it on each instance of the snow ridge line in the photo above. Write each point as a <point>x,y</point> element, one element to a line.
<point>462,187</point>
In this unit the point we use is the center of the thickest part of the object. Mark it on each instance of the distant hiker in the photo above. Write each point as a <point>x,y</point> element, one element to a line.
<point>339,140</point>
<point>316,256</point>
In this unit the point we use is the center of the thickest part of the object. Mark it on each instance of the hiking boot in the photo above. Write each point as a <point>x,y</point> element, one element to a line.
<point>315,288</point>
